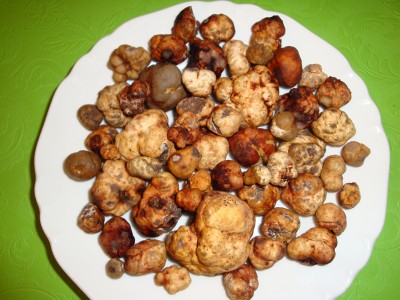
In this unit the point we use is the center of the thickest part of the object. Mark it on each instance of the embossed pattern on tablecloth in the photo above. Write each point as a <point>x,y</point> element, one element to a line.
<point>41,41</point>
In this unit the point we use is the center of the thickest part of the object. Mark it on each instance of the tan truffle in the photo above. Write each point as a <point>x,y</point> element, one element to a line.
<point>115,192</point>
<point>260,199</point>
<point>280,224</point>
<point>349,196</point>
<point>184,162</point>
<point>145,257</point>
<point>315,246</point>
<point>265,252</point>
<point>235,52</point>
<point>332,173</point>
<point>334,127</point>
<point>332,217</point>
<point>355,153</point>
<point>218,240</point>
<point>304,194</point>
<point>224,120</point>
<point>108,104</point>
<point>213,149</point>
<point>333,93</point>
<point>127,62</point>
<point>168,48</point>
<point>185,25</point>
<point>90,219</point>
<point>157,211</point>
<point>174,279</point>
<point>217,28</point>
<point>241,283</point>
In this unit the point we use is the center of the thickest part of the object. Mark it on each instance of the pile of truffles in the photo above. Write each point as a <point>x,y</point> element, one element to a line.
<point>235,148</point>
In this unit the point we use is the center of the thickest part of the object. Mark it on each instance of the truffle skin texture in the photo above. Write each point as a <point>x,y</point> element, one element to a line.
<point>224,120</point>
<point>145,257</point>
<point>306,151</point>
<point>166,87</point>
<point>213,149</point>
<point>280,224</point>
<point>218,28</point>
<point>144,167</point>
<point>110,152</point>
<point>235,52</point>
<point>260,175</point>
<point>332,217</point>
<point>260,199</point>
<point>251,146</point>
<point>184,162</point>
<point>286,66</point>
<point>115,268</point>
<point>156,215</point>
<point>266,252</point>
<point>273,26</point>
<point>241,283</point>
<point>138,137</point>
<point>108,104</point>
<point>223,219</point>
<point>157,211</point>
<point>262,38</point>
<point>332,170</point>
<point>185,25</point>
<point>334,127</point>
<point>131,98</point>
<point>115,191</point>
<point>333,93</point>
<point>91,220</point>
<point>201,107</point>
<point>304,194</point>
<point>206,54</point>
<point>173,278</point>
<point>116,237</point>
<point>349,196</point>
<point>354,153</point>
<point>185,130</point>
<point>254,95</point>
<point>259,54</point>
<point>307,157</point>
<point>218,240</point>
<point>198,82</point>
<point>168,48</point>
<point>302,103</point>
<point>82,165</point>
<point>127,62</point>
<point>283,126</point>
<point>102,136</point>
<point>188,199</point>
<point>312,76</point>
<point>227,176</point>
<point>315,246</point>
<point>90,116</point>
<point>200,180</point>
<point>282,168</point>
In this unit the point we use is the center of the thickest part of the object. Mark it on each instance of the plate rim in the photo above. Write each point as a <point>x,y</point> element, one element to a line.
<point>39,176</point>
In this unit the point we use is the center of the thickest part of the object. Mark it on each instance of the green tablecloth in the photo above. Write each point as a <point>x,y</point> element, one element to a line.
<point>42,40</point>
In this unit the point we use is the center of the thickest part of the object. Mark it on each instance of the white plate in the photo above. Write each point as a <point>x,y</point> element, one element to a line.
<point>61,199</point>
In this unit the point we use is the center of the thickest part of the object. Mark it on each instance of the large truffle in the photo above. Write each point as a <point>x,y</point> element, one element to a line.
<point>218,240</point>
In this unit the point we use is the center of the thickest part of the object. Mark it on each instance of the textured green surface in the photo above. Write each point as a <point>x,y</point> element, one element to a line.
<point>41,41</point>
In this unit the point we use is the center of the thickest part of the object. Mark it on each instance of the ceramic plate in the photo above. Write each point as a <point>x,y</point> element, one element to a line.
<point>61,199</point>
